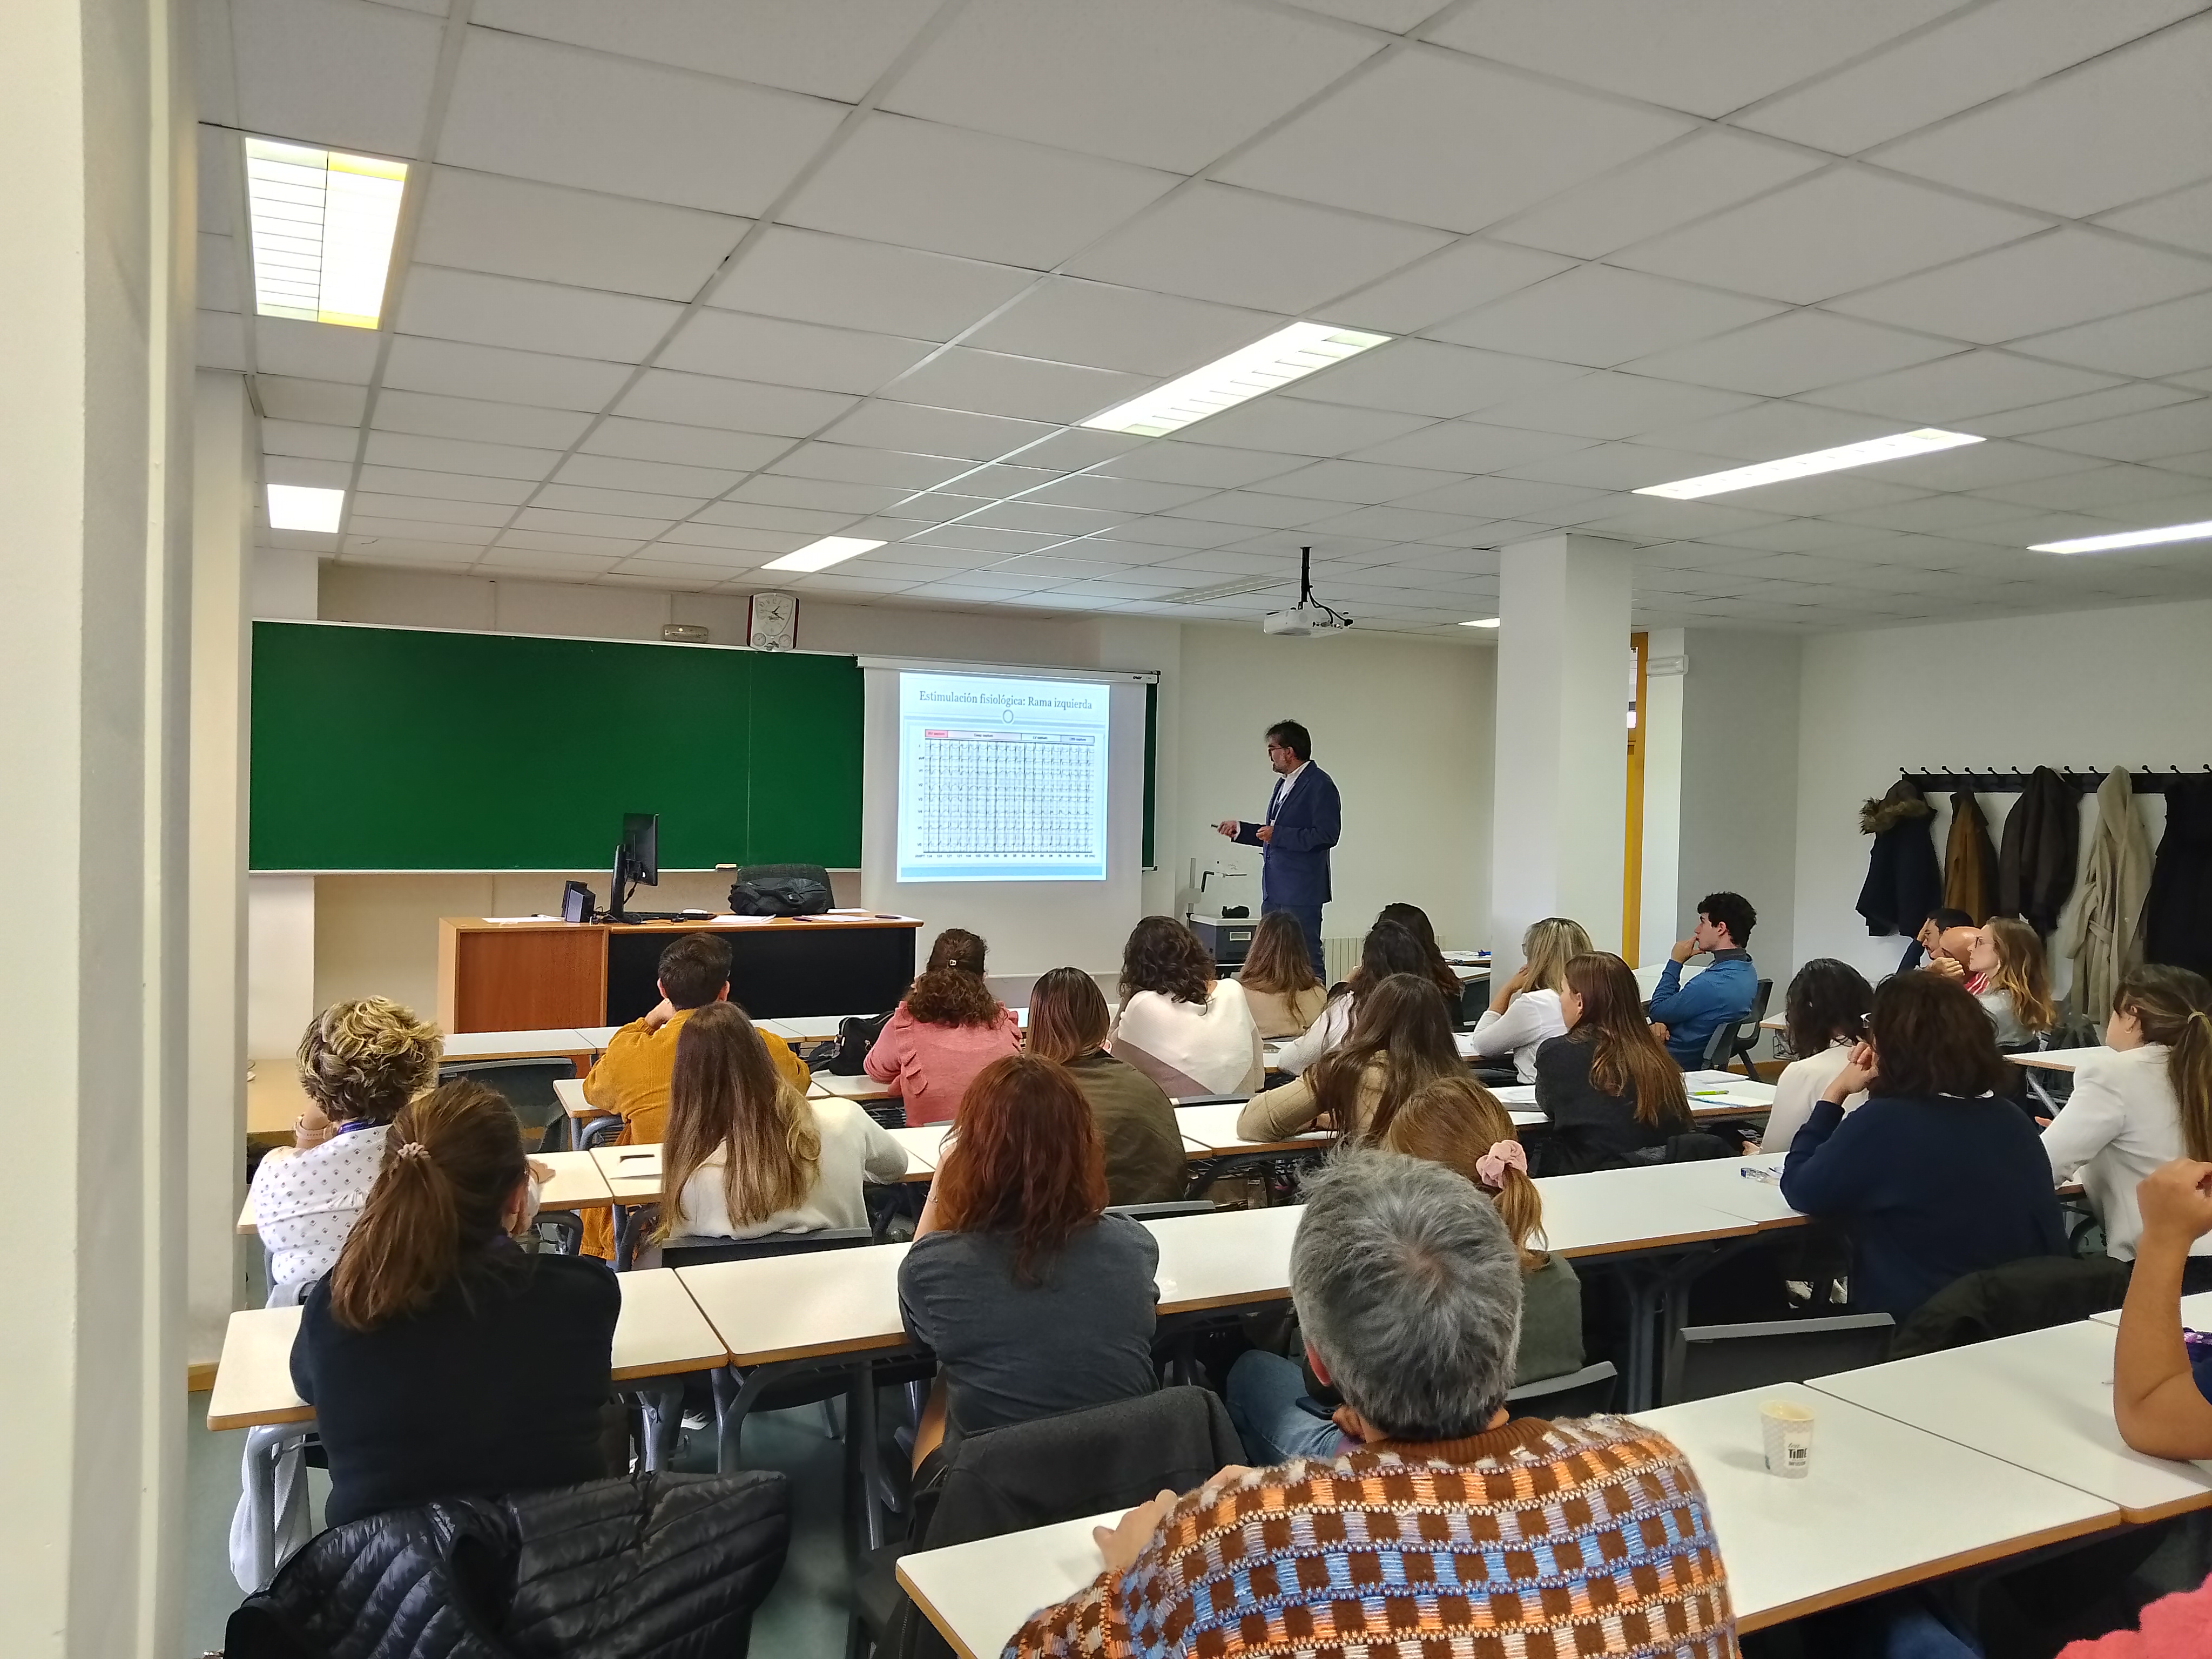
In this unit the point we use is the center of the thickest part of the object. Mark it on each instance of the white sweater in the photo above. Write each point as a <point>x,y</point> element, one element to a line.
<point>1799,1089</point>
<point>854,1149</point>
<point>1531,1019</point>
<point>1324,1035</point>
<point>1210,1047</point>
<point>2121,1122</point>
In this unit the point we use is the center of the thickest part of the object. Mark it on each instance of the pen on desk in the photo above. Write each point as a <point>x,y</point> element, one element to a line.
<point>627,1156</point>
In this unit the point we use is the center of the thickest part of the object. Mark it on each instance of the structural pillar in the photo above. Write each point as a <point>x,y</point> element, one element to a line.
<point>1559,814</point>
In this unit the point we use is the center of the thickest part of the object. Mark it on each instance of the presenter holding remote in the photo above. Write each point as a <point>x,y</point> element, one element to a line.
<point>1305,818</point>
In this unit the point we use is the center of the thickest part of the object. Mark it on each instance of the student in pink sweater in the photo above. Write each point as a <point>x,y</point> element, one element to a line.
<point>949,1028</point>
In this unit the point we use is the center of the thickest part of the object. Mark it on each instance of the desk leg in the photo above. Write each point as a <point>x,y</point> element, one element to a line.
<point>860,1422</point>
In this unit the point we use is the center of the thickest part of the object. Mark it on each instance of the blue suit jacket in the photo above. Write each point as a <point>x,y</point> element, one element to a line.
<point>1294,867</point>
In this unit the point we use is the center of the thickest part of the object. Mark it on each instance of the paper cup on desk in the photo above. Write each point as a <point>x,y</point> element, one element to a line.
<point>1786,1429</point>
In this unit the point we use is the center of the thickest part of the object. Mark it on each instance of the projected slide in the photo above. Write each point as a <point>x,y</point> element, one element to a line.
<point>1001,780</point>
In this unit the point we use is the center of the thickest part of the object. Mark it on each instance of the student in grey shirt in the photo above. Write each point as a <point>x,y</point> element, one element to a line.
<point>1034,1300</point>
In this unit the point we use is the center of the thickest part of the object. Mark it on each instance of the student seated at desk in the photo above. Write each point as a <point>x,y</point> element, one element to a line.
<point>442,1359</point>
<point>1144,1159</point>
<point>1936,1176</point>
<point>1824,1018</point>
<point>956,947</point>
<point>1415,921</point>
<point>1189,1031</point>
<point>1686,1016</point>
<point>1929,947</point>
<point>1280,987</point>
<point>1432,1524</point>
<point>1388,948</point>
<point>1607,1089</point>
<point>1524,1012</point>
<point>630,1079</point>
<point>2143,1100</point>
<point>747,1155</point>
<point>949,1028</point>
<point>2007,973</point>
<point>360,1062</point>
<point>1034,1300</point>
<point>1399,1042</point>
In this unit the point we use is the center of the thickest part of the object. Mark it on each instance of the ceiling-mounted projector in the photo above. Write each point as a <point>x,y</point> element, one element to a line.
<point>1309,616</point>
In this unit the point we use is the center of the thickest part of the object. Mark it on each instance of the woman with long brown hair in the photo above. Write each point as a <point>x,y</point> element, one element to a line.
<point>747,1154</point>
<point>442,1359</point>
<point>949,1028</point>
<point>2007,974</point>
<point>1034,1300</point>
<point>1279,983</point>
<point>1415,921</point>
<point>1144,1159</point>
<point>1388,948</point>
<point>1608,1087</point>
<point>1400,1040</point>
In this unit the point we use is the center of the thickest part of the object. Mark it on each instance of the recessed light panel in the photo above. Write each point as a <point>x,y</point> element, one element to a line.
<point>1483,621</point>
<point>323,227</point>
<point>1894,447</point>
<point>301,507</point>
<point>1289,353</point>
<point>2113,544</point>
<point>820,556</point>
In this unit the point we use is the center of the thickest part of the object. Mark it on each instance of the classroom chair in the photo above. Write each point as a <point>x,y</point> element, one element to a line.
<point>2027,1294</point>
<point>527,1086</point>
<point>1585,1393</point>
<point>1737,1040</point>
<point>1715,1359</point>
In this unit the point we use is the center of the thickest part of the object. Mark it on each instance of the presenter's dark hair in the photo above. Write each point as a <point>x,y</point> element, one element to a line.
<point>1293,737</point>
<point>1164,955</point>
<point>1732,911</point>
<point>1827,1001</point>
<point>694,969</point>
<point>956,947</point>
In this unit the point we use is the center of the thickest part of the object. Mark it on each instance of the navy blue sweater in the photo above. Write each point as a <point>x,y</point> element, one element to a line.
<point>1929,1190</point>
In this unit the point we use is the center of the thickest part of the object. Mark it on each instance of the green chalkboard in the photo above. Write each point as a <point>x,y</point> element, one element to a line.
<point>408,749</point>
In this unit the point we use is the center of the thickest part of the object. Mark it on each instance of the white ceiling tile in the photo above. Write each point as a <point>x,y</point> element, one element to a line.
<point>705,541</point>
<point>503,311</point>
<point>1407,524</point>
<point>1978,466</point>
<point>2065,277</point>
<point>1618,466</point>
<point>1299,427</point>
<point>1046,519</point>
<point>1069,320</point>
<point>770,349</point>
<point>1600,317</point>
<point>1708,57</point>
<point>617,472</point>
<point>443,486</point>
<point>1445,283</point>
<point>991,482</point>
<point>1983,54</point>
<point>337,72</point>
<point>1247,507</point>
<point>315,351</point>
<point>923,185</point>
<point>1933,515</point>
<point>975,538</point>
<point>911,427</point>
<point>812,277</point>
<point>1789,535</point>
<point>842,463</point>
<point>1117,494</point>
<point>1707,171</point>
<point>220,341</point>
<point>1423,377</point>
<point>1211,242</point>
<point>326,443</point>
<point>833,48</point>
<point>2131,124</point>
<point>222,274</point>
<point>2147,437</point>
<point>1770,430</point>
<point>454,369</point>
<point>2097,487</point>
<point>1363,481</point>
<point>1163,84</point>
<point>2154,340</point>
<point>1470,446</point>
<point>2125,400</point>
<point>320,475</point>
<point>1186,533</point>
<point>993,383</point>
<point>1829,235</point>
<point>539,110</point>
<point>1965,383</point>
<point>584,237</point>
<point>1435,138</point>
<point>627,503</point>
<point>818,494</point>
<point>325,401</point>
<point>2184,218</point>
<point>1792,353</point>
<point>409,552</point>
<point>618,525</point>
<point>1064,451</point>
<point>1165,462</point>
<point>1483,498</point>
<point>430,416</point>
<point>758,515</point>
<point>740,406</point>
<point>1615,405</point>
<point>454,455</point>
<point>576,566</point>
<point>366,505</point>
<point>682,446</point>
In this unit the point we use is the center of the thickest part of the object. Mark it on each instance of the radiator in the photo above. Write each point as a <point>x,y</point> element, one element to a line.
<point>1339,956</point>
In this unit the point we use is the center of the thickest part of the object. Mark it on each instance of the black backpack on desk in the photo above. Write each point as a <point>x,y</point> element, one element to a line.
<point>780,890</point>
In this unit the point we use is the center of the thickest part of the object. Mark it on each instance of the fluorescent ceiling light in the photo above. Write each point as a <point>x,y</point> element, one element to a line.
<point>299,507</point>
<point>1896,446</point>
<point>1225,590</point>
<point>2173,533</point>
<point>323,225</point>
<point>1483,621</point>
<point>820,556</point>
<point>1288,355</point>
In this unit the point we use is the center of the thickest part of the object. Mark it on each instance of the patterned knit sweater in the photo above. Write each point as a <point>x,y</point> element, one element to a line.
<point>1535,1540</point>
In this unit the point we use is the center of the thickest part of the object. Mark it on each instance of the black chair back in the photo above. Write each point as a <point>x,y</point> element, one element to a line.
<point>1585,1393</point>
<point>1717,1359</point>
<point>2027,1294</point>
<point>1165,1208</point>
<point>524,1084</point>
<point>691,1251</point>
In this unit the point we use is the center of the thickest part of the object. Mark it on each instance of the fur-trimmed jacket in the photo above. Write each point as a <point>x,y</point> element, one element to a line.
<point>1904,883</point>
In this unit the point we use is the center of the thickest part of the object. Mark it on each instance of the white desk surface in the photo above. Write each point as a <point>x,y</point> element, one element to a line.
<point>1723,1184</point>
<point>563,1041</point>
<point>577,1183</point>
<point>632,1173</point>
<point>1727,1095</point>
<point>1214,1127</point>
<point>1612,1210</point>
<point>792,1307</point>
<point>2055,1060</point>
<point>1884,1504</point>
<point>2042,1402</point>
<point>659,1332</point>
<point>598,1036</point>
<point>979,1594</point>
<point>1774,1023</point>
<point>924,1145</point>
<point>862,1087</point>
<point>569,1091</point>
<point>1225,1259</point>
<point>2196,1313</point>
<point>810,1028</point>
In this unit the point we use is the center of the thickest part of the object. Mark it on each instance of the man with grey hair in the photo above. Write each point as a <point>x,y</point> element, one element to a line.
<point>1438,1524</point>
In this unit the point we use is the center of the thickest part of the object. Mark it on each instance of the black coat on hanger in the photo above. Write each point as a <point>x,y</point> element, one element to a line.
<point>2177,925</point>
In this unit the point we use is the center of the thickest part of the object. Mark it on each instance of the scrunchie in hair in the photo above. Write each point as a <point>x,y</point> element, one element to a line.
<point>411,1149</point>
<point>1490,1169</point>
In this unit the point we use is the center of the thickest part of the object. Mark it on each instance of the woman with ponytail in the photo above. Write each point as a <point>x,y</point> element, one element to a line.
<point>442,1359</point>
<point>2143,1100</point>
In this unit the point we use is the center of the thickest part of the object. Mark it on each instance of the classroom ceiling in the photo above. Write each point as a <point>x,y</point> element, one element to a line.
<point>684,284</point>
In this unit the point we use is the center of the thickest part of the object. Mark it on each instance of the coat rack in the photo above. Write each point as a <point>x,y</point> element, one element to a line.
<point>2150,781</point>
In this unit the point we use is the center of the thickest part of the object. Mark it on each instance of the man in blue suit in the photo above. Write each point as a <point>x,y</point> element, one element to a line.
<point>1305,818</point>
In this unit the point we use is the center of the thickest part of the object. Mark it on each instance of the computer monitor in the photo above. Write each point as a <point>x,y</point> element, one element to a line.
<point>637,859</point>
<point>576,903</point>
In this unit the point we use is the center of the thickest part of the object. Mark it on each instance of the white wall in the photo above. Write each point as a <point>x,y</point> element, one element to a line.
<point>2129,686</point>
<point>1739,810</point>
<point>1660,721</point>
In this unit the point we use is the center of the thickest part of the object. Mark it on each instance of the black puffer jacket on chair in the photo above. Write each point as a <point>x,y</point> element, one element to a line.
<point>658,1566</point>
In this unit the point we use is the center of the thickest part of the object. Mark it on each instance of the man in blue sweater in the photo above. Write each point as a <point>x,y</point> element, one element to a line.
<point>1685,1016</point>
